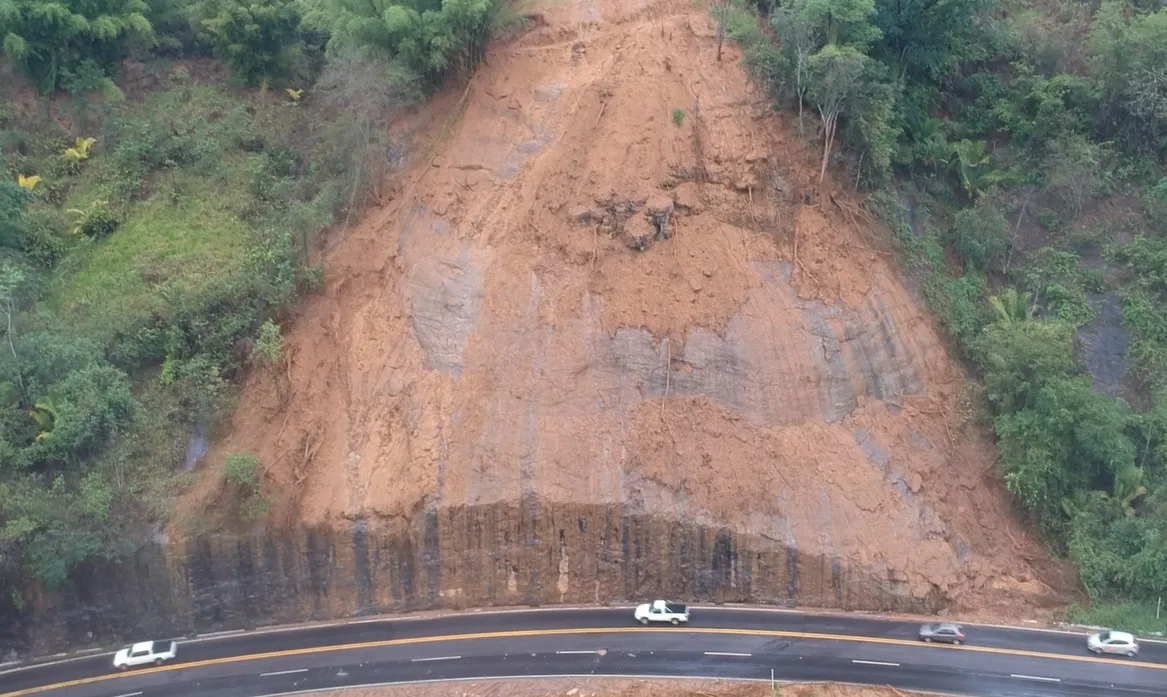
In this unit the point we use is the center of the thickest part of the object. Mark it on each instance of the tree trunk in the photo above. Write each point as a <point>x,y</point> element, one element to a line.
<point>9,310</point>
<point>829,122</point>
<point>720,13</point>
<point>799,111</point>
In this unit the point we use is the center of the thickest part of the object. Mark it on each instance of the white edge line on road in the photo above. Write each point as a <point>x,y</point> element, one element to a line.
<point>130,694</point>
<point>229,632</point>
<point>435,658</point>
<point>574,653</point>
<point>283,672</point>
<point>728,653</point>
<point>272,630</point>
<point>9,664</point>
<point>875,663</point>
<point>1034,677</point>
<point>85,651</point>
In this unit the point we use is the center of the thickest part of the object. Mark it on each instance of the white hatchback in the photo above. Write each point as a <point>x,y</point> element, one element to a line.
<point>1113,642</point>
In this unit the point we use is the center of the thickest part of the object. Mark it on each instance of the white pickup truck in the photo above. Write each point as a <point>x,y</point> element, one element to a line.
<point>661,611</point>
<point>145,653</point>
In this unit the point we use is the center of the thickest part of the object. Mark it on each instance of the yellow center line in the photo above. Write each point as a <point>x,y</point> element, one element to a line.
<point>569,632</point>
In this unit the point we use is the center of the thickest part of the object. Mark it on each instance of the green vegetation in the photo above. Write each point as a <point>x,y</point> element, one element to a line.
<point>258,40</point>
<point>1142,617</point>
<point>425,41</point>
<point>269,344</point>
<point>242,472</point>
<point>1016,150</point>
<point>150,242</point>
<point>72,44</point>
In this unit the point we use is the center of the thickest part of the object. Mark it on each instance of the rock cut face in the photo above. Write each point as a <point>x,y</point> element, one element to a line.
<point>610,288</point>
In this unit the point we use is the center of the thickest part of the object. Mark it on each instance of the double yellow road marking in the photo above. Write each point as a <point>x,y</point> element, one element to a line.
<point>776,634</point>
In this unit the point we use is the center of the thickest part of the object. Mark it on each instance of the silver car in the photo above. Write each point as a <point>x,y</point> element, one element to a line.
<point>1113,642</point>
<point>947,632</point>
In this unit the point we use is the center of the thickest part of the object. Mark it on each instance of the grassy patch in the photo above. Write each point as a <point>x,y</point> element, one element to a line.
<point>1137,617</point>
<point>166,244</point>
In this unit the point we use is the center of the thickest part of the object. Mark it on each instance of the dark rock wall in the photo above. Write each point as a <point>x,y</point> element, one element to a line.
<point>452,557</point>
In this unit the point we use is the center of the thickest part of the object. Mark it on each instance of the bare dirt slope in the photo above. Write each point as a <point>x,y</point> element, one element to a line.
<point>614,283</point>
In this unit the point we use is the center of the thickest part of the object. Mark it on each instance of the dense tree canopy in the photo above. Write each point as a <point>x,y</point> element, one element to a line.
<point>256,38</point>
<point>1128,57</point>
<point>428,38</point>
<point>67,42</point>
<point>927,40</point>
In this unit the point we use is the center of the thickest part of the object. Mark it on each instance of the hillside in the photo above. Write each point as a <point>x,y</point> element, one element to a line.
<point>309,310</point>
<point>581,299</point>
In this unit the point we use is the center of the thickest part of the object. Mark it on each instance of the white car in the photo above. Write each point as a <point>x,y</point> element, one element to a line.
<point>661,611</point>
<point>1113,642</point>
<point>144,653</point>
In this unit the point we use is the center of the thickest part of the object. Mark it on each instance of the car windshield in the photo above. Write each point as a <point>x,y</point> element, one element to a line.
<point>1105,636</point>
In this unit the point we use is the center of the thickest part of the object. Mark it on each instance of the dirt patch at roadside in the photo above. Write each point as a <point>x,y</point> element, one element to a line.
<point>612,283</point>
<point>602,687</point>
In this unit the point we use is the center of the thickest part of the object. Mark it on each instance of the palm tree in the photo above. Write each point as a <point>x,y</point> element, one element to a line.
<point>1011,306</point>
<point>974,166</point>
<point>1128,489</point>
<point>45,414</point>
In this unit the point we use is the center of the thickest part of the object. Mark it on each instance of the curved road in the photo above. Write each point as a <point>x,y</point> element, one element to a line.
<point>721,642</point>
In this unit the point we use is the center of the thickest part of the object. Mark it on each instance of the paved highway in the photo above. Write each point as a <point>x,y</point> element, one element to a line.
<point>722,642</point>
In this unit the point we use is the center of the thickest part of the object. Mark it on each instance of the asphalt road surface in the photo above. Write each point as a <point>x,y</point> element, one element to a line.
<point>720,642</point>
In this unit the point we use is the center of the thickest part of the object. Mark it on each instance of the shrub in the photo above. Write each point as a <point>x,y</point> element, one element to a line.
<point>1074,171</point>
<point>198,384</point>
<point>87,408</point>
<point>1055,277</point>
<point>55,525</point>
<point>980,236</point>
<point>269,345</point>
<point>13,200</point>
<point>241,471</point>
<point>960,304</point>
<point>97,220</point>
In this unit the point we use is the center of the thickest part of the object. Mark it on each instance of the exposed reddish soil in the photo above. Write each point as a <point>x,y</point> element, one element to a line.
<point>600,687</point>
<point>515,323</point>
